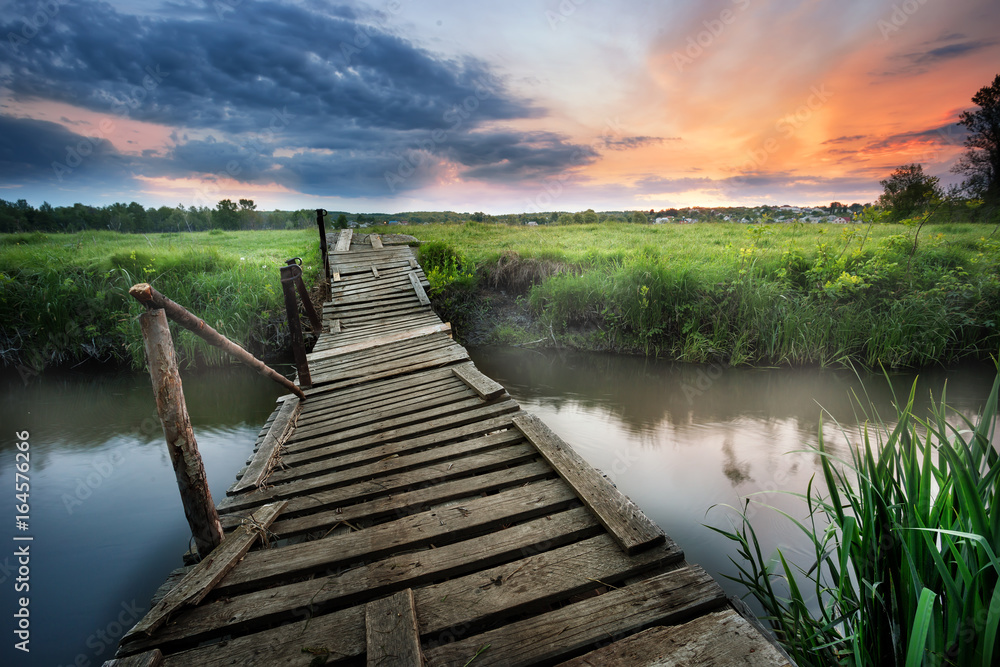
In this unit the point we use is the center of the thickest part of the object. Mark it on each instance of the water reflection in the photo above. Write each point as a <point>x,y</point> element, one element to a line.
<point>680,439</point>
<point>105,512</point>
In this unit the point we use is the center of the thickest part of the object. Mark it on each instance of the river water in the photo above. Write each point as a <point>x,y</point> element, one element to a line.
<point>107,521</point>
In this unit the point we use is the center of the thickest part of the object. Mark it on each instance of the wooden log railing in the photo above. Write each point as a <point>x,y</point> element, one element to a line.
<point>171,407</point>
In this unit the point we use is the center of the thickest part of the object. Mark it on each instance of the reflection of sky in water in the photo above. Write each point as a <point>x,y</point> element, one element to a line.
<point>105,512</point>
<point>680,439</point>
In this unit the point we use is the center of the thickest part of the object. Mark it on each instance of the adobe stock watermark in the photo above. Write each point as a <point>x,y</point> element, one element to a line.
<point>784,128</point>
<point>565,9</point>
<point>208,195</point>
<point>697,44</point>
<point>33,24</point>
<point>104,639</point>
<point>898,17</point>
<point>552,187</point>
<point>85,147</point>
<point>417,155</point>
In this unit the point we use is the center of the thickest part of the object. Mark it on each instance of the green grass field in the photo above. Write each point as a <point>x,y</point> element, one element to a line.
<point>64,297</point>
<point>767,294</point>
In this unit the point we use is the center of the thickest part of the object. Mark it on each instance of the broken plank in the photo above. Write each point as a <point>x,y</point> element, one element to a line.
<point>335,326</point>
<point>267,453</point>
<point>374,271</point>
<point>379,341</point>
<point>391,631</point>
<point>376,241</point>
<point>632,529</point>
<point>344,240</point>
<point>672,597</point>
<point>197,583</point>
<point>419,289</point>
<point>479,383</point>
<point>721,638</point>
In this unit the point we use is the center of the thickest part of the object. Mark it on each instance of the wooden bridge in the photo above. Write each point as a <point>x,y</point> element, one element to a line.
<point>409,512</point>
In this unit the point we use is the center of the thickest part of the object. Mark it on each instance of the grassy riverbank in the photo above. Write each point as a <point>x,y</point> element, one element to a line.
<point>64,297</point>
<point>896,294</point>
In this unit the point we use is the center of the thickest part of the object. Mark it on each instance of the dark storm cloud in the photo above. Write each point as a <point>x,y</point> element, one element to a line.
<point>342,82</point>
<point>36,151</point>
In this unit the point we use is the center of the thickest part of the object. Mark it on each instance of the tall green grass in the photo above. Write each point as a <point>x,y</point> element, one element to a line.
<point>775,294</point>
<point>905,544</point>
<point>64,297</point>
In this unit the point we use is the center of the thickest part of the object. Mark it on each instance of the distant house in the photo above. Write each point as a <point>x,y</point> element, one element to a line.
<point>531,223</point>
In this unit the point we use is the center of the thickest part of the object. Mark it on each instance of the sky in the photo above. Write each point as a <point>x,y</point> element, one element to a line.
<point>501,107</point>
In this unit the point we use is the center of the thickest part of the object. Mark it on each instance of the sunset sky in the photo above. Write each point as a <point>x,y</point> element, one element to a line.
<point>524,105</point>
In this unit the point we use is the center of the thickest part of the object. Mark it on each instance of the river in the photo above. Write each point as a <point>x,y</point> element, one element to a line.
<point>108,525</point>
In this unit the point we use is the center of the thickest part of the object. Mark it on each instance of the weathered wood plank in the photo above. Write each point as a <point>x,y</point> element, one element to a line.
<point>630,526</point>
<point>267,454</point>
<point>200,581</point>
<point>419,289</point>
<point>344,240</point>
<point>411,502</point>
<point>479,383</point>
<point>335,326</point>
<point>388,475</point>
<point>672,597</point>
<point>374,271</point>
<point>391,631</point>
<point>722,638</point>
<point>153,658</point>
<point>336,636</point>
<point>381,371</point>
<point>376,241</point>
<point>354,585</point>
<point>379,341</point>
<point>533,582</point>
<point>444,524</point>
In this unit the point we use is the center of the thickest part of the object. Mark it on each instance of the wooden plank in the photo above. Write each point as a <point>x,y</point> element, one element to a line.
<point>391,631</point>
<point>411,502</point>
<point>419,289</point>
<point>197,583</point>
<point>439,526</point>
<point>722,638</point>
<point>382,371</point>
<point>336,276</point>
<point>336,636</point>
<point>153,658</point>
<point>344,240</point>
<point>379,342</point>
<point>267,454</point>
<point>479,383</point>
<point>533,583</point>
<point>335,326</point>
<point>315,491</point>
<point>357,585</point>
<point>672,597</point>
<point>376,241</point>
<point>413,262</point>
<point>624,520</point>
<point>374,271</point>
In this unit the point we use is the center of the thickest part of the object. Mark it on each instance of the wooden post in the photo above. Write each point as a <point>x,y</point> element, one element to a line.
<point>300,286</point>
<point>294,326</point>
<point>323,253</point>
<point>181,444</point>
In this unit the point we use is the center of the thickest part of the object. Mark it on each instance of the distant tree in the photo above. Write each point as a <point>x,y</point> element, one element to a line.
<point>639,218</point>
<point>907,190</point>
<point>981,163</point>
<point>341,222</point>
<point>478,216</point>
<point>590,217</point>
<point>566,219</point>
<point>554,217</point>
<point>225,215</point>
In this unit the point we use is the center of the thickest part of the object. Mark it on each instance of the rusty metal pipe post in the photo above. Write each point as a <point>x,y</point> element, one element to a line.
<point>196,497</point>
<point>294,326</point>
<point>300,287</point>
<point>323,251</point>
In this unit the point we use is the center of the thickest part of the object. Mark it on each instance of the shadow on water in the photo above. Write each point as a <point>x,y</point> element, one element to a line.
<point>682,438</point>
<point>106,515</point>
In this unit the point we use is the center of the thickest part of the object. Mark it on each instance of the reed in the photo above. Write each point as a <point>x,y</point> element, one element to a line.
<point>904,565</point>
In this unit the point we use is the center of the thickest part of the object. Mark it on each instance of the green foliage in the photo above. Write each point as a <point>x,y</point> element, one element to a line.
<point>64,298</point>
<point>443,265</point>
<point>908,190</point>
<point>904,569</point>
